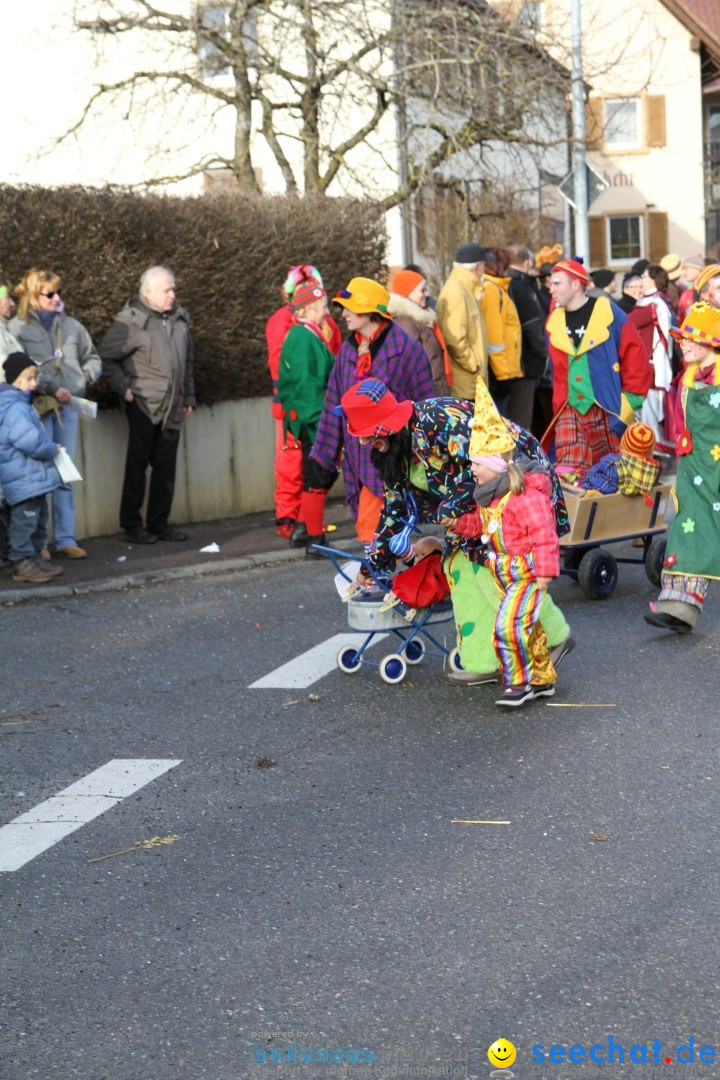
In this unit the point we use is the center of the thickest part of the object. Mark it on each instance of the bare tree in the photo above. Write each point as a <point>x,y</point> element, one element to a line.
<point>333,95</point>
<point>323,84</point>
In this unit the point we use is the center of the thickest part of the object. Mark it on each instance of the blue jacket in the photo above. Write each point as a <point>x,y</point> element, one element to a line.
<point>26,454</point>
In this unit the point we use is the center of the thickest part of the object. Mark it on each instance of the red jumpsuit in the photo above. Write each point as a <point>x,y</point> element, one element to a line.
<point>288,455</point>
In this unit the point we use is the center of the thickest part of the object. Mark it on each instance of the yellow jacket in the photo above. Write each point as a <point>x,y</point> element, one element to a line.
<point>462,327</point>
<point>504,332</point>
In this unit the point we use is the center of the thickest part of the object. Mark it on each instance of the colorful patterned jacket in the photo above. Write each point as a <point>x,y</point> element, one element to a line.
<point>441,480</point>
<point>609,360</point>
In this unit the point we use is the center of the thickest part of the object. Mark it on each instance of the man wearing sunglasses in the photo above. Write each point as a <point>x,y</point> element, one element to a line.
<point>147,359</point>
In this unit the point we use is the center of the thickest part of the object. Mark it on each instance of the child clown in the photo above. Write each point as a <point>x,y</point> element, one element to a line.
<point>515,520</point>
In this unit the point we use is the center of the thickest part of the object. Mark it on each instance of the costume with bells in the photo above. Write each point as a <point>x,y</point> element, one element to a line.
<point>288,452</point>
<point>439,479</point>
<point>692,552</point>
<point>518,530</point>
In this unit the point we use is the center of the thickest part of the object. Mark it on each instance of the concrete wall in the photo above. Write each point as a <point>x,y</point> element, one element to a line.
<point>225,466</point>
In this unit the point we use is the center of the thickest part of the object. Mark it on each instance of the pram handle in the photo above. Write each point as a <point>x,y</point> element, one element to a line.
<point>335,554</point>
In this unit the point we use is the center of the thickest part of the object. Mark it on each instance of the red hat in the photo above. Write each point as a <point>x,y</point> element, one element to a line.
<point>371,409</point>
<point>574,269</point>
<point>306,293</point>
<point>405,281</point>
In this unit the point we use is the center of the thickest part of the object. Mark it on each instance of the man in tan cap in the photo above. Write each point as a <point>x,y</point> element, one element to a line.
<point>672,265</point>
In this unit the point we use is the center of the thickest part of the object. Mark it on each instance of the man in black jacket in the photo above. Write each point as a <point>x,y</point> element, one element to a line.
<point>524,295</point>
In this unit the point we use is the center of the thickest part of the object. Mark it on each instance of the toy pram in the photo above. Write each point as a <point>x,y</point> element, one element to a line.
<point>378,610</point>
<point>610,519</point>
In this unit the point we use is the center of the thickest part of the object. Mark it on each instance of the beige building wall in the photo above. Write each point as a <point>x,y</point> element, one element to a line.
<point>638,51</point>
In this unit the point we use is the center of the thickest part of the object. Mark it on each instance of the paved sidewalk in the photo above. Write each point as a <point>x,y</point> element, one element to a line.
<point>114,563</point>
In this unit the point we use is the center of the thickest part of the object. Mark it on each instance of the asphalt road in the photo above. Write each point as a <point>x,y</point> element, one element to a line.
<point>328,897</point>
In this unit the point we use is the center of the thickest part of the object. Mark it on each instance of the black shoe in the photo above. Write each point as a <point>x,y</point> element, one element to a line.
<point>309,553</point>
<point>138,535</point>
<point>667,622</point>
<point>518,695</point>
<point>169,533</point>
<point>299,537</point>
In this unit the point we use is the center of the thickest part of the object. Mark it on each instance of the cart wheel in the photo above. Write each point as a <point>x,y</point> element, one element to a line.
<point>393,668</point>
<point>654,560</point>
<point>454,660</point>
<point>348,659</point>
<point>414,651</point>
<point>598,574</point>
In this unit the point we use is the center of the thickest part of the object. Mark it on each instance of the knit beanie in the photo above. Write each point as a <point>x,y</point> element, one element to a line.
<point>405,281</point>
<point>16,363</point>
<point>306,293</point>
<point>602,277</point>
<point>638,440</point>
<point>705,275</point>
<point>574,269</point>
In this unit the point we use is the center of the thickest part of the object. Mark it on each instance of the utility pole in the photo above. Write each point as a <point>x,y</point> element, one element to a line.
<point>582,231</point>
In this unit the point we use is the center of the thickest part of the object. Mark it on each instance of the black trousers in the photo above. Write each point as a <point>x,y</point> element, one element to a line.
<point>149,445</point>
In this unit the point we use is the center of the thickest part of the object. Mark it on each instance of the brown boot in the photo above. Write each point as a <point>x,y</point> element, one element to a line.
<point>49,567</point>
<point>31,571</point>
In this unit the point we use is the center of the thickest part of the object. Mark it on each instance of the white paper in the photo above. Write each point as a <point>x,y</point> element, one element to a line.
<point>66,467</point>
<point>84,407</point>
<point>351,570</point>
<point>212,548</point>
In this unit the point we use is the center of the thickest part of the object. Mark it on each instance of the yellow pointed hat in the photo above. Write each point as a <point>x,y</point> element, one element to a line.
<point>489,433</point>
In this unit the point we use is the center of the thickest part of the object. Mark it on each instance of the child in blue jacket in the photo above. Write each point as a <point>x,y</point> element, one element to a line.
<point>27,470</point>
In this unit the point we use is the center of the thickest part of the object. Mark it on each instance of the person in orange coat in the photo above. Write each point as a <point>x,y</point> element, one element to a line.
<point>288,452</point>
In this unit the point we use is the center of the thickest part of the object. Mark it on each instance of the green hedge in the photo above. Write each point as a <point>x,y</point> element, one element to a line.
<point>229,253</point>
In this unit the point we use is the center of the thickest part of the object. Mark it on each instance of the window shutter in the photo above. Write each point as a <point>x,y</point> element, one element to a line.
<point>655,120</point>
<point>596,227</point>
<point>594,124</point>
<point>658,236</point>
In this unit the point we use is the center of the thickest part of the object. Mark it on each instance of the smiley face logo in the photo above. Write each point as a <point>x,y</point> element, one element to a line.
<point>502,1053</point>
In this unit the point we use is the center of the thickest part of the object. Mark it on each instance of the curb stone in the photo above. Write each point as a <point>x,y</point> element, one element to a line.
<point>153,577</point>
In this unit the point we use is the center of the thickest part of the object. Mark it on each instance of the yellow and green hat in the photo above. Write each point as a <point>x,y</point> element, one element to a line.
<point>701,324</point>
<point>365,297</point>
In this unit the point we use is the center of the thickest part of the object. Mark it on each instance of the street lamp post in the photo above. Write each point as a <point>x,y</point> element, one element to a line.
<point>582,231</point>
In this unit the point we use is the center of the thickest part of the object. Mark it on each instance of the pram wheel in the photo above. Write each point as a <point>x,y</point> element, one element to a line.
<point>598,574</point>
<point>348,660</point>
<point>414,651</point>
<point>393,668</point>
<point>454,660</point>
<point>654,560</point>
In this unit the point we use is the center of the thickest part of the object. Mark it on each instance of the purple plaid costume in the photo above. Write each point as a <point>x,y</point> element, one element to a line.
<point>403,365</point>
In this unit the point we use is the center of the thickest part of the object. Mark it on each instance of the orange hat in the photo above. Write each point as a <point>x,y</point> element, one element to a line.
<point>638,440</point>
<point>405,281</point>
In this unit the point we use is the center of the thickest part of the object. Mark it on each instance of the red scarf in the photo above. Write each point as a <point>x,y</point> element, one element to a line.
<point>364,359</point>
<point>313,326</point>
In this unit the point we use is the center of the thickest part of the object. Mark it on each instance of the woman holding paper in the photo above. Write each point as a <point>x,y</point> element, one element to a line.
<point>64,351</point>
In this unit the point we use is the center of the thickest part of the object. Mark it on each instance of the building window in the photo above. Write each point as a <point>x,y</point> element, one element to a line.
<point>623,128</point>
<point>714,124</point>
<point>625,238</point>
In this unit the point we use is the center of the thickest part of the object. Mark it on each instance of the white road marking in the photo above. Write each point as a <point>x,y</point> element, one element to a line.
<point>310,666</point>
<point>37,830</point>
